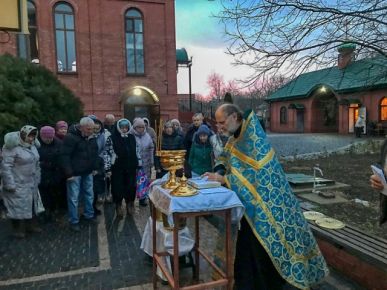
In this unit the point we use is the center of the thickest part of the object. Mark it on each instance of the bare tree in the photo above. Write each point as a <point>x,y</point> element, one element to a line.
<point>293,36</point>
<point>217,86</point>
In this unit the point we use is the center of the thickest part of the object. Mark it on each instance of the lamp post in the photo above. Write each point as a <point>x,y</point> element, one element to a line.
<point>189,84</point>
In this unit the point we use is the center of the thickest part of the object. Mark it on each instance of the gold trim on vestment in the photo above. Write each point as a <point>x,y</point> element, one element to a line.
<point>256,164</point>
<point>268,213</point>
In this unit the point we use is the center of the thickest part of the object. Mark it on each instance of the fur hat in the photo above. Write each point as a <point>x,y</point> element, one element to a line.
<point>47,132</point>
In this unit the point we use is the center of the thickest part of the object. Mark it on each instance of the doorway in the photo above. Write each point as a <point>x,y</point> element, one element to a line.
<point>141,102</point>
<point>151,112</point>
<point>353,113</point>
<point>300,121</point>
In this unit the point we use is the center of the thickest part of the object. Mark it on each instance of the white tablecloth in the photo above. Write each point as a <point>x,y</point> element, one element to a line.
<point>206,200</point>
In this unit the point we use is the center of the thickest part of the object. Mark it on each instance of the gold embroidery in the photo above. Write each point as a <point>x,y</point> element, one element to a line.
<point>269,215</point>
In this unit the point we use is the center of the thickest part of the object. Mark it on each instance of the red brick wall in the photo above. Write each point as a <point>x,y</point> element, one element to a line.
<point>100,42</point>
<point>365,274</point>
<point>312,117</point>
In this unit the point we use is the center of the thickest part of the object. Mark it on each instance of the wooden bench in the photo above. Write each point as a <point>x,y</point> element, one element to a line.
<point>359,256</point>
<point>378,130</point>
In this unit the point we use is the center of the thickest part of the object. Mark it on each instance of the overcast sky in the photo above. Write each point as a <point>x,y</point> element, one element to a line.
<point>202,36</point>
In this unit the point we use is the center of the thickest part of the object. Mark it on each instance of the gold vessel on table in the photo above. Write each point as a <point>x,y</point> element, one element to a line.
<point>173,160</point>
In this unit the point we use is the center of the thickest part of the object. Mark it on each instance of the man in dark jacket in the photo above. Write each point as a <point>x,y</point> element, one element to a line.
<point>79,161</point>
<point>109,122</point>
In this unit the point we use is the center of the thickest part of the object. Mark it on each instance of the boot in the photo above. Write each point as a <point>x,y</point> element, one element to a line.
<point>18,229</point>
<point>143,202</point>
<point>32,226</point>
<point>119,211</point>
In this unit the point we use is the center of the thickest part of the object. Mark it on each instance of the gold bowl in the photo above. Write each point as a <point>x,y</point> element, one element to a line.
<point>173,160</point>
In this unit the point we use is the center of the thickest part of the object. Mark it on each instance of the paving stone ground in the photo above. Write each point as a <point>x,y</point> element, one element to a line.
<point>104,256</point>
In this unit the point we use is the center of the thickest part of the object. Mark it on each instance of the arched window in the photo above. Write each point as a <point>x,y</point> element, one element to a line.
<point>134,35</point>
<point>65,37</point>
<point>283,115</point>
<point>383,109</point>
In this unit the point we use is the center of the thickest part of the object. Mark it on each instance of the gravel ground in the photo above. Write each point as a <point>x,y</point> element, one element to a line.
<point>354,170</point>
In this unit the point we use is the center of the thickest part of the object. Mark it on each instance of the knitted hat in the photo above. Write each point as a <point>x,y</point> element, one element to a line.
<point>61,124</point>
<point>203,130</point>
<point>47,132</point>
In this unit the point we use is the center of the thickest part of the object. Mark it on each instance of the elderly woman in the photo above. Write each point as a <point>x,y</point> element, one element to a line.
<point>124,167</point>
<point>21,176</point>
<point>150,130</point>
<point>176,125</point>
<point>145,148</point>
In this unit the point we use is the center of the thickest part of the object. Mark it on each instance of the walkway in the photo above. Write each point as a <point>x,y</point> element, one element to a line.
<point>107,256</point>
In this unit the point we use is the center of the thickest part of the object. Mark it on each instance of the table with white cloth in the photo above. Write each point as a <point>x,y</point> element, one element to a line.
<point>212,201</point>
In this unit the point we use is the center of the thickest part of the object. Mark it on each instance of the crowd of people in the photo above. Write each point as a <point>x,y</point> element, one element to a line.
<point>56,171</point>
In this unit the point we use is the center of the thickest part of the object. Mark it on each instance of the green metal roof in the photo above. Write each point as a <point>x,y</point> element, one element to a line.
<point>365,74</point>
<point>182,56</point>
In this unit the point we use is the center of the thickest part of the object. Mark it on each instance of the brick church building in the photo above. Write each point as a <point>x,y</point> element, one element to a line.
<point>117,56</point>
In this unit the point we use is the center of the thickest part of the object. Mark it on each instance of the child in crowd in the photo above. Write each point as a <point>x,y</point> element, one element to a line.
<point>200,157</point>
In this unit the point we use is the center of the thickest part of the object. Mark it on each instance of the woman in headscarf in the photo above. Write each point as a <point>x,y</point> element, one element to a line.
<point>177,126</point>
<point>146,149</point>
<point>150,130</point>
<point>21,176</point>
<point>124,167</point>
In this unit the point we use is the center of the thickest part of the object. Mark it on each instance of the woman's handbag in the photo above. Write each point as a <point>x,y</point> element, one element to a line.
<point>38,204</point>
<point>143,184</point>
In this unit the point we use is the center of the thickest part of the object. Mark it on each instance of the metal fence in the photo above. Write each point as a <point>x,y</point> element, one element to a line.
<point>208,108</point>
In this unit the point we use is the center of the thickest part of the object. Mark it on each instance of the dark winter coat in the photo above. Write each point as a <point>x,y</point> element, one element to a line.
<point>125,165</point>
<point>125,150</point>
<point>79,155</point>
<point>383,198</point>
<point>51,170</point>
<point>170,142</point>
<point>189,137</point>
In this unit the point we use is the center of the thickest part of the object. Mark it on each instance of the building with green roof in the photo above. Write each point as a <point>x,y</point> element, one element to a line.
<point>331,99</point>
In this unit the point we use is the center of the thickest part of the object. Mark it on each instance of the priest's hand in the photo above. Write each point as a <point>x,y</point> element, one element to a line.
<point>214,177</point>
